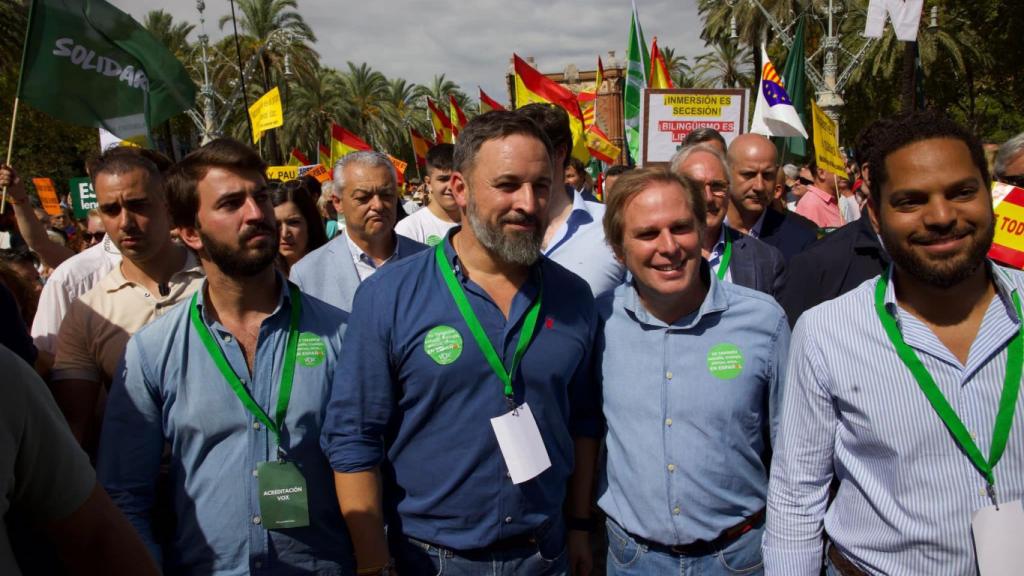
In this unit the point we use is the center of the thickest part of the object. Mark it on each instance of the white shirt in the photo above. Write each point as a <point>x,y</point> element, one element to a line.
<point>365,266</point>
<point>74,277</point>
<point>424,227</point>
<point>849,208</point>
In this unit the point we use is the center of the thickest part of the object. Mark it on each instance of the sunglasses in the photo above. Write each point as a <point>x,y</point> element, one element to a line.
<point>1015,180</point>
<point>805,181</point>
<point>93,236</point>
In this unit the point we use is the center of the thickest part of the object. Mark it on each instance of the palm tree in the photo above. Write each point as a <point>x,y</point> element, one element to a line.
<point>315,104</point>
<point>728,66</point>
<point>13,22</point>
<point>366,110</point>
<point>173,35</point>
<point>439,90</point>
<point>678,69</point>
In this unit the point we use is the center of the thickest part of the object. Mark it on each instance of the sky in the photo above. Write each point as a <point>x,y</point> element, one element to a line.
<point>470,42</point>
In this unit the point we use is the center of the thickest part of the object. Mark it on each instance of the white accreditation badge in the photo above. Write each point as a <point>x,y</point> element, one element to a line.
<point>521,445</point>
<point>998,534</point>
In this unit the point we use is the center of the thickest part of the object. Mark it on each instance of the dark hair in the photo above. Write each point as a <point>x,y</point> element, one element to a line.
<point>902,130</point>
<point>616,170</point>
<point>440,157</point>
<point>577,165</point>
<point>702,135</point>
<point>636,181</point>
<point>298,192</point>
<point>492,126</point>
<point>183,178</point>
<point>122,159</point>
<point>554,121</point>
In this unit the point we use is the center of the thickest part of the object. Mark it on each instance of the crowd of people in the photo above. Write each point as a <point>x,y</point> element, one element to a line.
<point>724,366</point>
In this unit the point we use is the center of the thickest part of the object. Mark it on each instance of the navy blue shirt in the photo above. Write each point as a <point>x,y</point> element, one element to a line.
<point>427,421</point>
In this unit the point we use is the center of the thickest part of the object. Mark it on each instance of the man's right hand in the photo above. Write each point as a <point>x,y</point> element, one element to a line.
<point>581,559</point>
<point>9,179</point>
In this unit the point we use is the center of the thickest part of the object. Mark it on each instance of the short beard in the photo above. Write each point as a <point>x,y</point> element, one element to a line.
<point>239,263</point>
<point>945,273</point>
<point>512,248</point>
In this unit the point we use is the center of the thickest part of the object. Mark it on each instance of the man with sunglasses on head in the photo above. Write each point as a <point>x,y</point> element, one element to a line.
<point>1009,165</point>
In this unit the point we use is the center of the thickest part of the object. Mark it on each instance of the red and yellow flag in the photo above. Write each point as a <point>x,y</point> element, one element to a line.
<point>487,103</point>
<point>344,142</point>
<point>534,87</point>
<point>600,146</point>
<point>588,98</point>
<point>297,158</point>
<point>458,119</point>
<point>420,147</point>
<point>324,157</point>
<point>659,77</point>
<point>400,167</point>
<point>442,125</point>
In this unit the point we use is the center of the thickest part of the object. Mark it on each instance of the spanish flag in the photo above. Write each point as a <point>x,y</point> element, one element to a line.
<point>588,98</point>
<point>344,142</point>
<point>659,77</point>
<point>442,125</point>
<point>458,119</point>
<point>534,87</point>
<point>420,147</point>
<point>487,103</point>
<point>324,157</point>
<point>297,158</point>
<point>400,167</point>
<point>600,146</point>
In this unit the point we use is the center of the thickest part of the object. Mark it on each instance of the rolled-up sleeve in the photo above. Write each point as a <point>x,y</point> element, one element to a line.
<point>362,395</point>
<point>802,463</point>
<point>132,442</point>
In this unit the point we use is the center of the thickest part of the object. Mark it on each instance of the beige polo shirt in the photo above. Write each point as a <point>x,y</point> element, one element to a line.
<point>94,333</point>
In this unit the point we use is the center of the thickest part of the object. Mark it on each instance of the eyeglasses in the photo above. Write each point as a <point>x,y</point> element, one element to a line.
<point>93,236</point>
<point>1014,180</point>
<point>717,188</point>
<point>804,181</point>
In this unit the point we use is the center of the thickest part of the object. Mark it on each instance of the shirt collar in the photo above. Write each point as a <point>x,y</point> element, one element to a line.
<point>719,246</point>
<point>528,289</point>
<point>115,280</point>
<point>283,297</point>
<point>1004,289</point>
<point>755,230</point>
<point>715,301</point>
<point>825,196</point>
<point>359,256</point>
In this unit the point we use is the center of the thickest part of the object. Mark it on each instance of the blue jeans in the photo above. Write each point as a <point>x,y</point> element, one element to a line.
<point>546,558</point>
<point>627,557</point>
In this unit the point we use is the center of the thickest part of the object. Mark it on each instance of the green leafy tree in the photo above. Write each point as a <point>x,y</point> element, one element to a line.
<point>726,66</point>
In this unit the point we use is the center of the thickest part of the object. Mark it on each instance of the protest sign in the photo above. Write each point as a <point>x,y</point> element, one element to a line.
<point>83,197</point>
<point>48,196</point>
<point>671,114</point>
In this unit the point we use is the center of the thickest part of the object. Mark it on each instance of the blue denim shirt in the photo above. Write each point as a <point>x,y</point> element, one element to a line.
<point>691,409</point>
<point>579,245</point>
<point>168,390</point>
<point>445,479</point>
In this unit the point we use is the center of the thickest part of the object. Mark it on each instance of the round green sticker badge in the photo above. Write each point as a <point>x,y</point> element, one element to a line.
<point>725,361</point>
<point>433,240</point>
<point>443,344</point>
<point>311,350</point>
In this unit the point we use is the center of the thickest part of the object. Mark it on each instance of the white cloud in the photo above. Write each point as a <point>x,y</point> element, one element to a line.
<point>469,42</point>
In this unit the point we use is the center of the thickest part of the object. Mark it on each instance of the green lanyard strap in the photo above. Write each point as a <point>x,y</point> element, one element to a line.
<point>1007,401</point>
<point>525,334</point>
<point>287,372</point>
<point>723,266</point>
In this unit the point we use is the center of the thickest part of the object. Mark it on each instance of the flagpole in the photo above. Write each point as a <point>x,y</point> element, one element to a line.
<point>10,149</point>
<point>412,144</point>
<point>241,69</point>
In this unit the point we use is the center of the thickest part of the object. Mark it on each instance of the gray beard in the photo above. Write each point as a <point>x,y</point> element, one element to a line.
<point>521,249</point>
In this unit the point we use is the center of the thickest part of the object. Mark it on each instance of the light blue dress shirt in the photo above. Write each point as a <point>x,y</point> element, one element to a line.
<point>579,246</point>
<point>854,412</point>
<point>689,435</point>
<point>168,390</point>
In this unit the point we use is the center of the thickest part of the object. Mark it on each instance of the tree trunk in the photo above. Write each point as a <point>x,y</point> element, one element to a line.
<point>909,91</point>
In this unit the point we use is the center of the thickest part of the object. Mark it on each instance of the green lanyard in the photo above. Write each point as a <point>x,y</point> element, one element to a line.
<point>723,266</point>
<point>1007,401</point>
<point>284,393</point>
<point>525,334</point>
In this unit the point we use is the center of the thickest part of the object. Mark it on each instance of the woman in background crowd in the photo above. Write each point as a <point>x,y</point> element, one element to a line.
<point>298,220</point>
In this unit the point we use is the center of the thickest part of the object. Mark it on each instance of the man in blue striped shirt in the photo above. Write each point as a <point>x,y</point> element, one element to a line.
<point>895,388</point>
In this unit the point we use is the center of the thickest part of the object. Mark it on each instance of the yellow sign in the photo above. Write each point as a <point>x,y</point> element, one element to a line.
<point>266,113</point>
<point>282,173</point>
<point>1008,243</point>
<point>826,143</point>
<point>48,196</point>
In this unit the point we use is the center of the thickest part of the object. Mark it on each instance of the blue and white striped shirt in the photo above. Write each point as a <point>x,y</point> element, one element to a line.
<point>853,411</point>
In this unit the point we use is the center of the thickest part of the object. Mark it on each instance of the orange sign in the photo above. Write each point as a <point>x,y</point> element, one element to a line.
<point>48,196</point>
<point>1008,245</point>
<point>317,171</point>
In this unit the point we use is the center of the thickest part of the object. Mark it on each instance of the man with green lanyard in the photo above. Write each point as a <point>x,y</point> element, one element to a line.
<point>235,381</point>
<point>906,389</point>
<point>464,386</point>
<point>734,256</point>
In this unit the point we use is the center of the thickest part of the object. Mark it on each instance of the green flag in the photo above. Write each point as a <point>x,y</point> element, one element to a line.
<point>88,63</point>
<point>638,62</point>
<point>794,80</point>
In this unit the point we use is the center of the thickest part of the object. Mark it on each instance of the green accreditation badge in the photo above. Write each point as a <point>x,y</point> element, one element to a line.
<point>311,351</point>
<point>725,361</point>
<point>283,499</point>
<point>443,344</point>
<point>433,240</point>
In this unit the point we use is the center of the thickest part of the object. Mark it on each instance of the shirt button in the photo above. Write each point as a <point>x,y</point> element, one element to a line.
<point>146,294</point>
<point>508,519</point>
<point>668,375</point>
<point>256,519</point>
<point>981,491</point>
<point>255,472</point>
<point>227,337</point>
<point>256,426</point>
<point>676,510</point>
<point>671,467</point>
<point>668,421</point>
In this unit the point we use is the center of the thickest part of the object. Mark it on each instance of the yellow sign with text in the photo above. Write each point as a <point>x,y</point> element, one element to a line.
<point>282,173</point>
<point>266,113</point>
<point>826,142</point>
